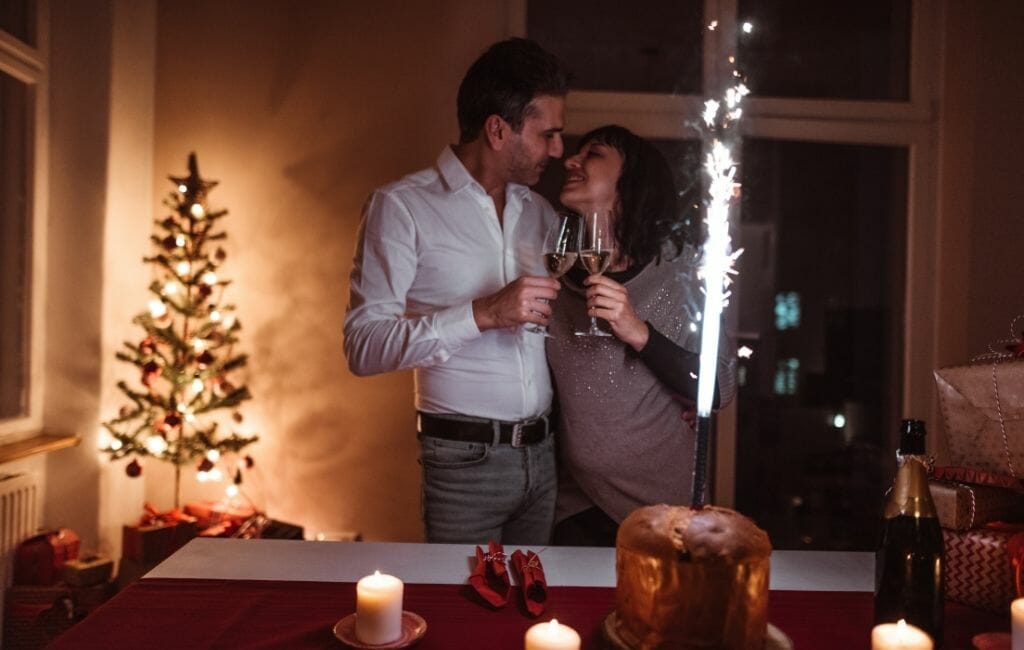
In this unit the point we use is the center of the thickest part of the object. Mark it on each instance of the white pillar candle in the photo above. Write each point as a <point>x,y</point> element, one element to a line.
<point>552,636</point>
<point>379,609</point>
<point>899,636</point>
<point>1017,618</point>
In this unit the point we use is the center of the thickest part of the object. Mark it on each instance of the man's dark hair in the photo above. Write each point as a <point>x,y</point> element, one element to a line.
<point>503,81</point>
<point>647,203</point>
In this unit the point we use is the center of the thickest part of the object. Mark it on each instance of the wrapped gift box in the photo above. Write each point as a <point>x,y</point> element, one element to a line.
<point>155,542</point>
<point>212,513</point>
<point>961,506</point>
<point>979,570</point>
<point>35,615</point>
<point>88,570</point>
<point>39,560</point>
<point>983,410</point>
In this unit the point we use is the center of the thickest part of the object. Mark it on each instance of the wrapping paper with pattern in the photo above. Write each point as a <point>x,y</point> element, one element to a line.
<point>962,507</point>
<point>983,409</point>
<point>979,569</point>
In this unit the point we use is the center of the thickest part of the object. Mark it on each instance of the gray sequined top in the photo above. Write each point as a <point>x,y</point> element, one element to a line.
<point>622,439</point>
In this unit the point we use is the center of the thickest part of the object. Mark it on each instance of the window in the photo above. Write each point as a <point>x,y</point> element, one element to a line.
<point>14,238</point>
<point>22,75</point>
<point>837,166</point>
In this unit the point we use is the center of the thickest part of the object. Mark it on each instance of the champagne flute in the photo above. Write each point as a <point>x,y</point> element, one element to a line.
<point>596,250</point>
<point>561,246</point>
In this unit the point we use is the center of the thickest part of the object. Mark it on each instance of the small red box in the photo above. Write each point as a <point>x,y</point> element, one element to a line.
<point>39,560</point>
<point>156,542</point>
<point>979,571</point>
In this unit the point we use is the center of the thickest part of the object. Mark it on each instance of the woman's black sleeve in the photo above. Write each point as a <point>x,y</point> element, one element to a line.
<point>673,365</point>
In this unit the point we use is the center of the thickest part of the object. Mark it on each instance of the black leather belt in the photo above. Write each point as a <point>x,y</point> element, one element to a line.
<point>517,434</point>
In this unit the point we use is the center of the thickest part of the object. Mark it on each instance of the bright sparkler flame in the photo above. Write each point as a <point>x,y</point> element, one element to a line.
<point>710,112</point>
<point>718,265</point>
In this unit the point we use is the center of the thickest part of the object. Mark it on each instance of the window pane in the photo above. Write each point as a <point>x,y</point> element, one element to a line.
<point>18,18</point>
<point>14,246</point>
<point>820,302</point>
<point>815,49</point>
<point>616,46</point>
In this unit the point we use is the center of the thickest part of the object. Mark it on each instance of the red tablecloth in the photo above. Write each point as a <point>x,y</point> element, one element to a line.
<point>166,613</point>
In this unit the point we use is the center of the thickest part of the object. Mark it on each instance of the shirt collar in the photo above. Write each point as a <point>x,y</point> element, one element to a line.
<point>456,176</point>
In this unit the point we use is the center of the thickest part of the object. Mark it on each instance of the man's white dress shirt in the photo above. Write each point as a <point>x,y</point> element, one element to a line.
<point>428,246</point>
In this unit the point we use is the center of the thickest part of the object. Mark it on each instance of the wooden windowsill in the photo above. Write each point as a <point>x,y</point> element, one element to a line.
<point>39,444</point>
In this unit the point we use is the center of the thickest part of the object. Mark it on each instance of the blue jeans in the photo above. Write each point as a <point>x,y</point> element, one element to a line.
<point>477,491</point>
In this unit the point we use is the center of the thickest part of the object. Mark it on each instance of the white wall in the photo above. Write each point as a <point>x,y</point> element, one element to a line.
<point>101,128</point>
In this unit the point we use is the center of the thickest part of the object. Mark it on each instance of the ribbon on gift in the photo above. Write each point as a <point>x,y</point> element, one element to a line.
<point>1012,348</point>
<point>532,581</point>
<point>153,517</point>
<point>490,576</point>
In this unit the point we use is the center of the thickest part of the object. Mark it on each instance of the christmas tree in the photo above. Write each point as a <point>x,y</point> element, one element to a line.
<point>180,410</point>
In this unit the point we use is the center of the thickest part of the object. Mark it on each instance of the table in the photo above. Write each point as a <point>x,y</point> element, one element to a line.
<point>223,593</point>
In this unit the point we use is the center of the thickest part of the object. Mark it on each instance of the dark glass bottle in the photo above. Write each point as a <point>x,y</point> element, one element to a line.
<point>910,562</point>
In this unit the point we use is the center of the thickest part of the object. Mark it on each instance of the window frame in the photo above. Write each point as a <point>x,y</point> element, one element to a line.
<point>912,124</point>
<point>30,66</point>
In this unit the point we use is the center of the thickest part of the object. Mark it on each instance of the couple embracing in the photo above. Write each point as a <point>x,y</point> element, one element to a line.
<point>448,278</point>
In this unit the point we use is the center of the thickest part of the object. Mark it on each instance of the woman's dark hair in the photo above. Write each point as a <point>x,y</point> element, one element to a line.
<point>503,81</point>
<point>647,208</point>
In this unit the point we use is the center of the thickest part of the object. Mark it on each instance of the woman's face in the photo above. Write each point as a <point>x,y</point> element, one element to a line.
<point>590,178</point>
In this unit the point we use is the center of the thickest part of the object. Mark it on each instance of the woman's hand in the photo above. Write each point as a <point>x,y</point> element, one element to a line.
<point>609,300</point>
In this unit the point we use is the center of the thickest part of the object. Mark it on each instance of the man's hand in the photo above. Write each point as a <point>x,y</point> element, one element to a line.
<point>521,301</point>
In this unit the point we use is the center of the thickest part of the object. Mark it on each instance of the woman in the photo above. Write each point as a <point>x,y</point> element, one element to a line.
<point>624,442</point>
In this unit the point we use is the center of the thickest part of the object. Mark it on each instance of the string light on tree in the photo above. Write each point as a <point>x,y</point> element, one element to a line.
<point>188,351</point>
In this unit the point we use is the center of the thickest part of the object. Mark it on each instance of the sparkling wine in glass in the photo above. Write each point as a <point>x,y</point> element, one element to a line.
<point>561,246</point>
<point>597,247</point>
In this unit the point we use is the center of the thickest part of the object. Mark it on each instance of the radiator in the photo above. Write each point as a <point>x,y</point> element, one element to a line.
<point>19,520</point>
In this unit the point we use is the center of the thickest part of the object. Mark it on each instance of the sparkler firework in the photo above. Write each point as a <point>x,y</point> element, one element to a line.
<point>718,262</point>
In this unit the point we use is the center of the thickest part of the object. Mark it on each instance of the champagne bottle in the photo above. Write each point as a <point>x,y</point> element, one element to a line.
<point>910,561</point>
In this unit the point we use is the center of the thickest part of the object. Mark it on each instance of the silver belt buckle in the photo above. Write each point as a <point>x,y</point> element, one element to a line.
<point>517,435</point>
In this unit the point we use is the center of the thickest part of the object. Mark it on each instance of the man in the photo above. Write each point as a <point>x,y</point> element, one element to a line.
<point>447,272</point>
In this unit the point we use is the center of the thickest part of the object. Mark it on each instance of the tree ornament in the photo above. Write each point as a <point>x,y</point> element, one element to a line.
<point>133,469</point>
<point>249,462</point>
<point>205,465</point>
<point>172,421</point>
<point>150,371</point>
<point>205,358</point>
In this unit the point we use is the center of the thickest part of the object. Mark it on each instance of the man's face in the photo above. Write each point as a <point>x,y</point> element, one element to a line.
<point>538,141</point>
